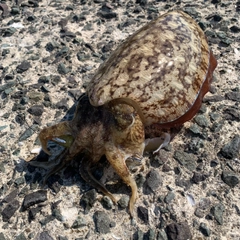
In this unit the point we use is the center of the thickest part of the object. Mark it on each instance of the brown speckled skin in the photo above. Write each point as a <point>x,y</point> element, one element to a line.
<point>154,81</point>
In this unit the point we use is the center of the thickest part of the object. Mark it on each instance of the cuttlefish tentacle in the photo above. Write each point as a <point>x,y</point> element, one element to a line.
<point>55,132</point>
<point>117,160</point>
<point>85,172</point>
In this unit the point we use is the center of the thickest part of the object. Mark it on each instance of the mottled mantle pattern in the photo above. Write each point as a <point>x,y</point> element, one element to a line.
<point>162,74</point>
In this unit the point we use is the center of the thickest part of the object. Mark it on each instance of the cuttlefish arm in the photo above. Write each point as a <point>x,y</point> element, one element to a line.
<point>60,133</point>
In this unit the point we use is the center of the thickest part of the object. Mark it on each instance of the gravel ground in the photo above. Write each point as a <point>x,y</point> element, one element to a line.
<point>49,50</point>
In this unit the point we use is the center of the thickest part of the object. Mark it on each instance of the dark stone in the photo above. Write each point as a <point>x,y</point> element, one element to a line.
<point>140,179</point>
<point>178,231</point>
<point>153,181</point>
<point>142,2</point>
<point>232,113</point>
<point>204,229</point>
<point>62,238</point>
<point>142,213</point>
<point>9,210</point>
<point>8,32</point>
<point>217,212</point>
<point>181,182</point>
<point>107,15</point>
<point>231,149</point>
<point>34,198</point>
<point>24,66</point>
<point>230,178</point>
<point>138,235</point>
<point>88,199</point>
<point>69,34</point>
<point>214,163</point>
<point>166,168</point>
<point>198,177</point>
<point>235,29</point>
<point>44,236</point>
<point>107,202</point>
<point>102,222</point>
<point>36,110</point>
<point>216,1</point>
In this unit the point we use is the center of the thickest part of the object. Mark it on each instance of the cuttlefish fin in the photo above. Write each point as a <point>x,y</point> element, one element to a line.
<point>156,144</point>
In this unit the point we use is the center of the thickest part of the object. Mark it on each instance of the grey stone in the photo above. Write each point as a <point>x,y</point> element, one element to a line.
<point>142,213</point>
<point>150,235</point>
<point>234,96</point>
<point>230,178</point>
<point>79,222</point>
<point>186,159</point>
<point>21,237</point>
<point>198,177</point>
<point>154,180</point>
<point>7,85</point>
<point>169,197</point>
<point>26,134</point>
<point>107,202</point>
<point>138,235</point>
<point>201,120</point>
<point>123,201</point>
<point>34,198</point>
<point>178,231</point>
<point>217,212</point>
<point>194,128</point>
<point>162,235</point>
<point>8,32</point>
<point>199,213</point>
<point>9,210</point>
<point>44,236</point>
<point>102,222</point>
<point>10,196</point>
<point>204,229</point>
<point>231,149</point>
<point>2,237</point>
<point>36,110</point>
<point>88,199</point>
<point>62,69</point>
<point>24,66</point>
